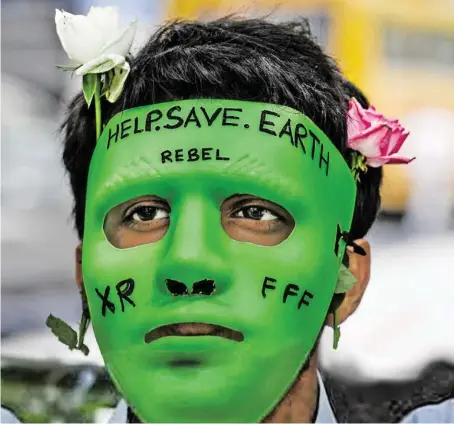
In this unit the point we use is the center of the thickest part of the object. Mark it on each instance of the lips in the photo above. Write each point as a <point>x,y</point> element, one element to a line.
<point>192,329</point>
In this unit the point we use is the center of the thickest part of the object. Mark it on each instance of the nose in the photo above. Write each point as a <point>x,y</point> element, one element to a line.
<point>195,260</point>
<point>176,288</point>
<point>204,287</point>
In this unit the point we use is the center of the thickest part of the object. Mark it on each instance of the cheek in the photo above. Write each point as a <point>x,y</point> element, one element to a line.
<point>104,268</point>
<point>286,287</point>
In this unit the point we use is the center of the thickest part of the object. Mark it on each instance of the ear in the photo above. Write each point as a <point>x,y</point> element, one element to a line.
<point>360,267</point>
<point>78,257</point>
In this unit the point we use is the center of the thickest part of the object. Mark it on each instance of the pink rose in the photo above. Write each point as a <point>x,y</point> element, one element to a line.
<point>377,138</point>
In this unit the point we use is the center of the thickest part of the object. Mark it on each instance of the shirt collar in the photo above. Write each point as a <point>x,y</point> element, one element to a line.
<point>324,412</point>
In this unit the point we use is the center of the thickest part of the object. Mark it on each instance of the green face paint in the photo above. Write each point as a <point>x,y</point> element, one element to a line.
<point>194,154</point>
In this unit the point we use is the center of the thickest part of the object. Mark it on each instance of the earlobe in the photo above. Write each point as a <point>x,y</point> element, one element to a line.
<point>78,258</point>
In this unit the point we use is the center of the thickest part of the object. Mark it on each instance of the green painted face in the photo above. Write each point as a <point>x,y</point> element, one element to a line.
<point>217,212</point>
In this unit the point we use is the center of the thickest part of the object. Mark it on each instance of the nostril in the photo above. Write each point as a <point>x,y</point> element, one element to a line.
<point>176,288</point>
<point>204,287</point>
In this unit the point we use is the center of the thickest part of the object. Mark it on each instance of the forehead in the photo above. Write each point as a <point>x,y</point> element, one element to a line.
<point>214,143</point>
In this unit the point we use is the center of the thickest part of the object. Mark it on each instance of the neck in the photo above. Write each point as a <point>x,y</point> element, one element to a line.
<point>299,405</point>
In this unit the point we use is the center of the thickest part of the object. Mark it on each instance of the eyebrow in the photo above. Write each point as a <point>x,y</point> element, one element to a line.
<point>246,165</point>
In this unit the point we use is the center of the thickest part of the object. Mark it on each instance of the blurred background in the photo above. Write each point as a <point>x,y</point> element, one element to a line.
<point>401,53</point>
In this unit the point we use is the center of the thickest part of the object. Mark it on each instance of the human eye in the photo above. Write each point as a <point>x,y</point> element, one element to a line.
<point>146,214</point>
<point>138,221</point>
<point>253,219</point>
<point>256,213</point>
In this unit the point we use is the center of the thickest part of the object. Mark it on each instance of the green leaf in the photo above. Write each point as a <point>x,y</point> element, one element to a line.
<point>89,85</point>
<point>345,281</point>
<point>107,80</point>
<point>63,331</point>
<point>117,83</point>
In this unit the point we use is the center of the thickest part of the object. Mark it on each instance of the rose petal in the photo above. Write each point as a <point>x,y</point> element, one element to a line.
<point>392,160</point>
<point>370,115</point>
<point>107,21</point>
<point>373,135</point>
<point>375,162</point>
<point>122,44</point>
<point>389,160</point>
<point>393,137</point>
<point>385,140</point>
<point>399,140</point>
<point>106,18</point>
<point>373,115</point>
<point>101,64</point>
<point>356,118</point>
<point>81,40</point>
<point>355,126</point>
<point>368,142</point>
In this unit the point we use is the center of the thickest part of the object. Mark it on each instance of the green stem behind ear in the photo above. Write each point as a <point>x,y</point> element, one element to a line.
<point>98,106</point>
<point>84,323</point>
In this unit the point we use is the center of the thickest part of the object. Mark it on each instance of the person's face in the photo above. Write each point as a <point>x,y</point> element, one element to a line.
<point>238,237</point>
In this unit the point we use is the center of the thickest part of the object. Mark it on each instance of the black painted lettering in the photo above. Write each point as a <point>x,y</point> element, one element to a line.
<point>106,303</point>
<point>179,155</point>
<point>266,286</point>
<point>172,117</point>
<point>193,155</point>
<point>226,117</point>
<point>192,117</point>
<point>219,157</point>
<point>290,290</point>
<point>124,290</point>
<point>206,155</point>
<point>137,130</point>
<point>113,135</point>
<point>300,135</point>
<point>125,128</point>
<point>287,130</point>
<point>212,118</point>
<point>264,122</point>
<point>323,159</point>
<point>303,300</point>
<point>152,116</point>
<point>315,141</point>
<point>166,155</point>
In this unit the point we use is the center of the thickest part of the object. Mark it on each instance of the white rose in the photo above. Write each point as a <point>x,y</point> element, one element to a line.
<point>96,44</point>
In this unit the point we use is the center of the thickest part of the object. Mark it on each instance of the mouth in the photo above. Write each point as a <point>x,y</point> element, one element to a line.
<point>192,329</point>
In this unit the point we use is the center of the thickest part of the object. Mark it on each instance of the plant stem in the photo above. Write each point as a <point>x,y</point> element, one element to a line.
<point>98,106</point>
<point>84,322</point>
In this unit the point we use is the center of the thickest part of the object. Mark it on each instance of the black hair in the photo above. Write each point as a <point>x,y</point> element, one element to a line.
<point>230,58</point>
